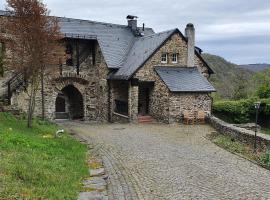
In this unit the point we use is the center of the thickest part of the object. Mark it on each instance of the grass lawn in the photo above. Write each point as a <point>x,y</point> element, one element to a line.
<point>262,157</point>
<point>35,165</point>
<point>266,130</point>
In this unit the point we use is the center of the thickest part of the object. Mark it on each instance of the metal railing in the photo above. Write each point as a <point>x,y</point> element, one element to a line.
<point>14,83</point>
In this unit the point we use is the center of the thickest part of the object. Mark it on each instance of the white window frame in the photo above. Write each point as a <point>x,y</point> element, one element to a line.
<point>166,57</point>
<point>174,55</point>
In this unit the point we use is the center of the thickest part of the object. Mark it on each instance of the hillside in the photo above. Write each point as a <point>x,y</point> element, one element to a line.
<point>230,81</point>
<point>255,67</point>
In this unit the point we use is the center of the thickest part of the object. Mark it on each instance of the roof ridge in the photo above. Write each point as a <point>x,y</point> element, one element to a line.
<point>91,21</point>
<point>82,20</point>
<point>159,33</point>
<point>174,67</point>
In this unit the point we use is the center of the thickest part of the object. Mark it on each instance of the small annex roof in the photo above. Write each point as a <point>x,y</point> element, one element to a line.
<point>184,79</point>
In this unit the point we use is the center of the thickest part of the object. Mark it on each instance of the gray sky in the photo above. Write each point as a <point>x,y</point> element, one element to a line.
<point>238,30</point>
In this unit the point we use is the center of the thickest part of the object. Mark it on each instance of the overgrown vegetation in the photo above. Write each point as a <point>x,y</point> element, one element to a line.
<point>262,157</point>
<point>240,111</point>
<point>230,81</point>
<point>35,165</point>
<point>237,90</point>
<point>266,130</point>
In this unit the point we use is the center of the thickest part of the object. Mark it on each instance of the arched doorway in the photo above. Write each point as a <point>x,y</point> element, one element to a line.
<point>69,104</point>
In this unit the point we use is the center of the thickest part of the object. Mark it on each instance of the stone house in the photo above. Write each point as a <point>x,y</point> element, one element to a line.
<point>117,73</point>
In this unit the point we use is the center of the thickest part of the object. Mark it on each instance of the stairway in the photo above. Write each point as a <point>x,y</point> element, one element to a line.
<point>145,119</point>
<point>9,84</point>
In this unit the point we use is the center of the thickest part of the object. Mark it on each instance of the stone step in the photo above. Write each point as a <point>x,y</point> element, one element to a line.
<point>145,119</point>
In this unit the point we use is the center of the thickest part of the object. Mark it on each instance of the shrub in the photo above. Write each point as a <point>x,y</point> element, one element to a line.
<point>265,158</point>
<point>263,91</point>
<point>237,111</point>
<point>240,111</point>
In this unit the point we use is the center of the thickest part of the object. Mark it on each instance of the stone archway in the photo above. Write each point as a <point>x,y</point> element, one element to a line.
<point>69,103</point>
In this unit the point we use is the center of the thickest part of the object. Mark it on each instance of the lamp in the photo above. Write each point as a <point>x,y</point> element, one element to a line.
<point>257,107</point>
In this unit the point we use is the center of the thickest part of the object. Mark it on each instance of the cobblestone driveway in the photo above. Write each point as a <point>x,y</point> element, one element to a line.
<point>172,162</point>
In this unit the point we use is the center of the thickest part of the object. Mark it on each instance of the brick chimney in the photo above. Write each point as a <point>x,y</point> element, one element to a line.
<point>132,22</point>
<point>190,35</point>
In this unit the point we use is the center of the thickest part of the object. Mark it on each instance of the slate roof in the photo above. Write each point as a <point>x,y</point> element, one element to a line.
<point>121,48</point>
<point>4,13</point>
<point>184,79</point>
<point>115,40</point>
<point>141,50</point>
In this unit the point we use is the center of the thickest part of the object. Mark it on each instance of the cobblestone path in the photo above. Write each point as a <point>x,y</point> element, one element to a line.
<point>172,162</point>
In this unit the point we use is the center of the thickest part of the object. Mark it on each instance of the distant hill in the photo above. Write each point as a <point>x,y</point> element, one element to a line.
<point>229,80</point>
<point>255,67</point>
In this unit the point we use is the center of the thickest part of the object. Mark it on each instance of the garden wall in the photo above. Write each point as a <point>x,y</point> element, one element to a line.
<point>241,134</point>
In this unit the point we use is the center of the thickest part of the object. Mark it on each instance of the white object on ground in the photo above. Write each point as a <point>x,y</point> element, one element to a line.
<point>59,132</point>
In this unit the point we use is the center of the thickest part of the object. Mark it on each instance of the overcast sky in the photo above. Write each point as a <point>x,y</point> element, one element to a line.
<point>238,30</point>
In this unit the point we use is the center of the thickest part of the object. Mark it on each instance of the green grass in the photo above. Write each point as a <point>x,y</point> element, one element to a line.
<point>35,165</point>
<point>266,130</point>
<point>230,144</point>
<point>262,157</point>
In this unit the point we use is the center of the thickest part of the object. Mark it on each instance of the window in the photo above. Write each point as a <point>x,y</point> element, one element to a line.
<point>164,58</point>
<point>174,58</point>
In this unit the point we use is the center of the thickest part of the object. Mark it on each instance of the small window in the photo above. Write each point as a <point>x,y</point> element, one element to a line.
<point>174,58</point>
<point>164,58</point>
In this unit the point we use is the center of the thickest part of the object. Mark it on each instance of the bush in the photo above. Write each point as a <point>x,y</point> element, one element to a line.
<point>263,91</point>
<point>265,158</point>
<point>240,111</point>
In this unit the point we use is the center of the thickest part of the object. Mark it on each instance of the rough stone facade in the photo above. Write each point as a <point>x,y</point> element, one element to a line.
<point>91,83</point>
<point>99,95</point>
<point>188,101</point>
<point>164,105</point>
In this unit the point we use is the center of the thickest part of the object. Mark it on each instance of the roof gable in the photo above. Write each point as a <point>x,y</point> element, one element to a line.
<point>141,51</point>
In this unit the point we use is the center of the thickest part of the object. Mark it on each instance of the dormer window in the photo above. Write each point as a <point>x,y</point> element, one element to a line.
<point>164,58</point>
<point>174,58</point>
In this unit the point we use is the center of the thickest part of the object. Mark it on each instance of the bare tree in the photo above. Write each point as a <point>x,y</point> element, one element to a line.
<point>35,39</point>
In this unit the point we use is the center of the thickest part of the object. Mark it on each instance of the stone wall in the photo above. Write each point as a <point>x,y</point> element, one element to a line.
<point>91,82</point>
<point>164,105</point>
<point>133,96</point>
<point>176,44</point>
<point>188,101</point>
<point>241,134</point>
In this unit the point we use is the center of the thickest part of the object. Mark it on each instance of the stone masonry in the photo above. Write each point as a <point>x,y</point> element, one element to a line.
<point>91,83</point>
<point>95,94</point>
<point>164,105</point>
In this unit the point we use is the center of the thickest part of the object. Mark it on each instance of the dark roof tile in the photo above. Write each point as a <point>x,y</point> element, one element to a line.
<point>184,79</point>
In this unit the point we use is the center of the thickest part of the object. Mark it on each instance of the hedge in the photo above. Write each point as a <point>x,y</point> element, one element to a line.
<point>240,111</point>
